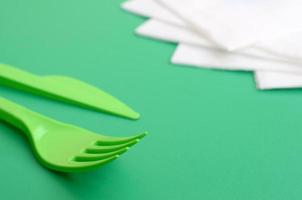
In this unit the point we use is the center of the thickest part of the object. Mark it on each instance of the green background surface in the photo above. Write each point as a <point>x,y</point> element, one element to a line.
<point>213,136</point>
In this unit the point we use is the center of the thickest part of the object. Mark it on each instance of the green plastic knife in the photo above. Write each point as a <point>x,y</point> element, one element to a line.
<point>66,89</point>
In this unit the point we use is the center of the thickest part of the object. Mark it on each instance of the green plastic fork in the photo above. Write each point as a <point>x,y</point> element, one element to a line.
<point>63,147</point>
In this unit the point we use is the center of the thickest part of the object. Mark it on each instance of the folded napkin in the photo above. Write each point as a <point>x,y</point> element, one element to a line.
<point>206,58</point>
<point>175,30</point>
<point>179,34</point>
<point>289,47</point>
<point>150,8</point>
<point>233,24</point>
<point>276,80</point>
<point>217,59</point>
<point>212,58</point>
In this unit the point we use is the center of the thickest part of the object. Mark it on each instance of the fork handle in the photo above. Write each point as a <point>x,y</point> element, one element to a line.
<point>16,78</point>
<point>18,116</point>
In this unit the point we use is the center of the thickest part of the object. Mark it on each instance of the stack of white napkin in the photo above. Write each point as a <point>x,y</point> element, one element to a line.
<point>260,36</point>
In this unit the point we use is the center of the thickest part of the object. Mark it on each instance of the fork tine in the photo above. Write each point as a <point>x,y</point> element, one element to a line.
<point>106,149</point>
<point>85,166</point>
<point>119,140</point>
<point>84,157</point>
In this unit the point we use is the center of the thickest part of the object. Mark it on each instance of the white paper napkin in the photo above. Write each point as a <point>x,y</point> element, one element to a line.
<point>212,58</point>
<point>215,59</point>
<point>150,8</point>
<point>234,24</point>
<point>276,80</point>
<point>264,80</point>
<point>178,33</point>
<point>289,47</point>
<point>174,33</point>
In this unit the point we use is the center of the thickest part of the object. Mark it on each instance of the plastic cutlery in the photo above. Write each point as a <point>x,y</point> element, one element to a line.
<point>65,89</point>
<point>63,147</point>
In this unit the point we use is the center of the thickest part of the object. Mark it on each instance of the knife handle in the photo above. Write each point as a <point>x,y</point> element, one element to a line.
<point>15,77</point>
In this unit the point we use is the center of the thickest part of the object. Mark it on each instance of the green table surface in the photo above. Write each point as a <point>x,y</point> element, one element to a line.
<point>213,136</point>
